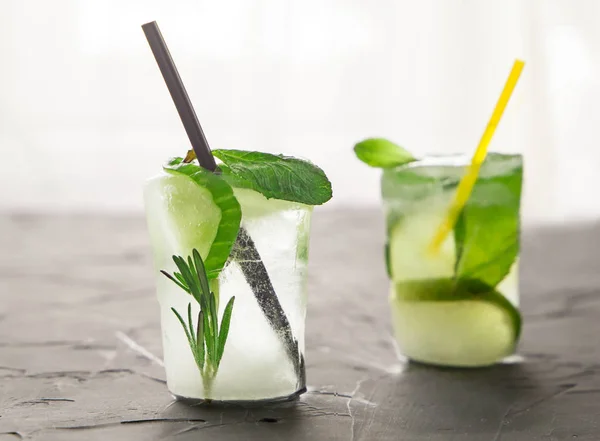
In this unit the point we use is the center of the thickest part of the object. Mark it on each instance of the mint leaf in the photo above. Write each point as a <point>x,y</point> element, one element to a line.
<point>275,176</point>
<point>388,263</point>
<point>487,231</point>
<point>459,239</point>
<point>231,213</point>
<point>379,152</point>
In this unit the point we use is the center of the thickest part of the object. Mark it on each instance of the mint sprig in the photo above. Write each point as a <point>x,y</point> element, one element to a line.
<point>206,339</point>
<point>486,233</point>
<point>381,153</point>
<point>275,176</point>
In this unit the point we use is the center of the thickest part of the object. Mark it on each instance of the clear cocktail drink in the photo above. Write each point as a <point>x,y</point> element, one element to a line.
<point>231,242</point>
<point>265,270</point>
<point>453,266</point>
<point>456,306</point>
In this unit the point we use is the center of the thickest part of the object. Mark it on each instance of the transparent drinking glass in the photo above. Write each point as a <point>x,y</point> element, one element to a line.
<point>451,307</point>
<point>266,272</point>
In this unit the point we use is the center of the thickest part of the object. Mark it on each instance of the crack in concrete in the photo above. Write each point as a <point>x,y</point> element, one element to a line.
<point>585,371</point>
<point>245,419</point>
<point>30,403</point>
<point>125,422</point>
<point>369,400</point>
<point>584,391</point>
<point>208,426</point>
<point>333,394</point>
<point>569,307</point>
<point>150,377</point>
<point>130,372</point>
<point>17,434</point>
<point>316,411</point>
<point>309,406</point>
<point>77,375</point>
<point>395,370</point>
<point>205,426</point>
<point>502,424</point>
<point>352,394</point>
<point>45,401</point>
<point>319,413</point>
<point>40,344</point>
<point>550,433</point>
<point>116,371</point>
<point>58,399</point>
<point>564,388</point>
<point>165,420</point>
<point>172,403</point>
<point>93,347</point>
<point>12,369</point>
<point>136,347</point>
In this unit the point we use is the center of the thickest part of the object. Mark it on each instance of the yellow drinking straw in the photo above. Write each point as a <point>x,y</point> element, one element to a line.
<point>468,180</point>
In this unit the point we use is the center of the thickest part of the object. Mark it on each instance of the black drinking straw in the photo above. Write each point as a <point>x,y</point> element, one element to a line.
<point>244,251</point>
<point>179,95</point>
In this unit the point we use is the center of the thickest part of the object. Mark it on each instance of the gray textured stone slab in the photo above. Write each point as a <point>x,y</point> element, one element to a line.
<point>76,293</point>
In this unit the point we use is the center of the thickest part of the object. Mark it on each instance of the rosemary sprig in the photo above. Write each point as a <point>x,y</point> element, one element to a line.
<point>207,342</point>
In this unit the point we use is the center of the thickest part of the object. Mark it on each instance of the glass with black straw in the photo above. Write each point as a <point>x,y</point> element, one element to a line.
<point>232,316</point>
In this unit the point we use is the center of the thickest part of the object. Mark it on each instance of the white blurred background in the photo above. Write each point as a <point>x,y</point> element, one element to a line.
<point>85,116</point>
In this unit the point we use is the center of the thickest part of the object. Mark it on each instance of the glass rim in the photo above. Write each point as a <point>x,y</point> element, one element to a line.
<point>449,160</point>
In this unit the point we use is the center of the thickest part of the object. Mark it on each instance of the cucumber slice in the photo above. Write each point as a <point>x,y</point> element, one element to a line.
<point>448,323</point>
<point>181,216</point>
<point>408,242</point>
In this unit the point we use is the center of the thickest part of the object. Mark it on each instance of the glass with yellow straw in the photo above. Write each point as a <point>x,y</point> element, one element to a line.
<point>452,250</point>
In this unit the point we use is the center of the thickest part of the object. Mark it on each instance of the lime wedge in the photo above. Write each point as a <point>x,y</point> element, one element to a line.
<point>440,322</point>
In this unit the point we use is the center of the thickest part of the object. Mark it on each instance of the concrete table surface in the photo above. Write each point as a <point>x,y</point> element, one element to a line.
<point>80,344</point>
